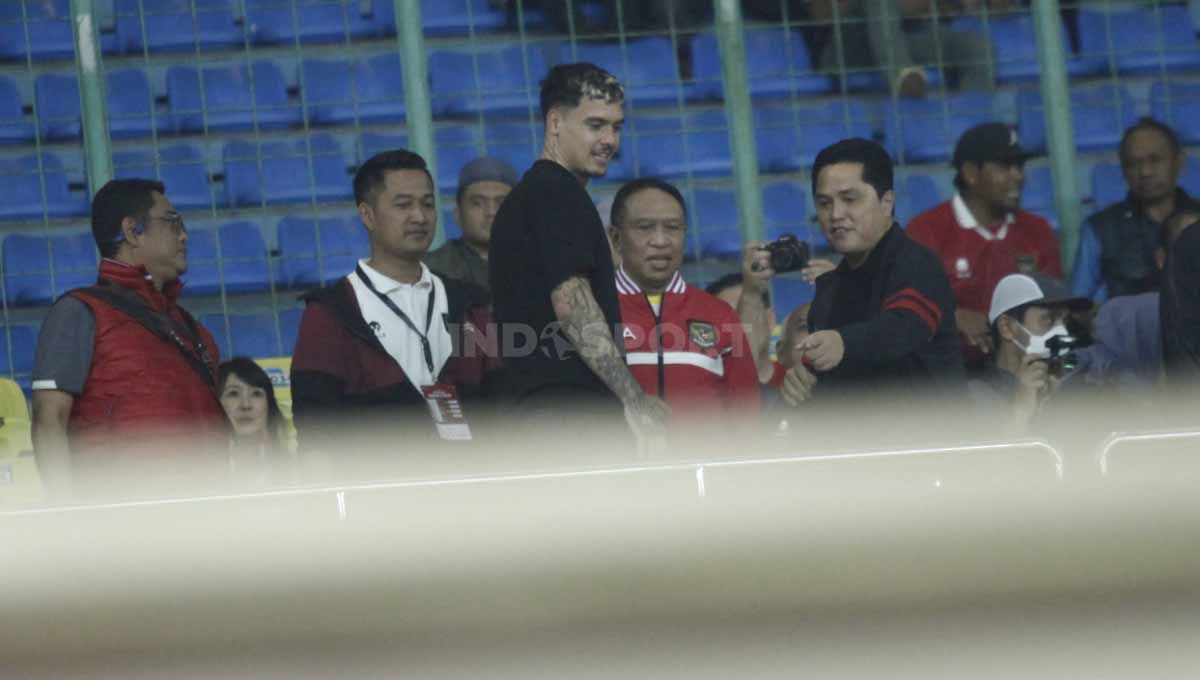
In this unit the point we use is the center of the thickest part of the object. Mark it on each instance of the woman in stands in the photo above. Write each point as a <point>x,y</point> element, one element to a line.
<point>258,452</point>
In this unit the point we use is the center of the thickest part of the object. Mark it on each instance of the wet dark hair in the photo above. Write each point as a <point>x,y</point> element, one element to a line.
<point>116,200</point>
<point>617,215</point>
<point>729,281</point>
<point>567,84</point>
<point>877,166</point>
<point>371,174</point>
<point>1149,123</point>
<point>249,372</point>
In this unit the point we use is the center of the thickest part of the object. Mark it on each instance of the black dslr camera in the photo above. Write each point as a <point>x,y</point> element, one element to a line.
<point>1063,359</point>
<point>788,254</point>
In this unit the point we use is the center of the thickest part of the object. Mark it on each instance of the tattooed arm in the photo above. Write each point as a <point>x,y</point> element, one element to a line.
<point>584,324</point>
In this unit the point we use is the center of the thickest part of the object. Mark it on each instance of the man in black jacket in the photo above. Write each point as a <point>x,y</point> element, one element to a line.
<point>885,317</point>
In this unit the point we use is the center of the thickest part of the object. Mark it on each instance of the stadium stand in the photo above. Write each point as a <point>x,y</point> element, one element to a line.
<point>171,25</point>
<point>181,167</point>
<point>38,269</point>
<point>239,260</point>
<point>215,97</point>
<point>229,98</point>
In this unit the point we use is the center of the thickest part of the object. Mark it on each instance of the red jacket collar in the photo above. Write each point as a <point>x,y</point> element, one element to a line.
<point>136,278</point>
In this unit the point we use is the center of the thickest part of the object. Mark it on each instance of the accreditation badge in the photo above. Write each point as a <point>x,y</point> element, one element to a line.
<point>447,412</point>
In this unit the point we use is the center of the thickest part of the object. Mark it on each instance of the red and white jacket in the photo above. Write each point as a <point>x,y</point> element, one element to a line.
<point>693,353</point>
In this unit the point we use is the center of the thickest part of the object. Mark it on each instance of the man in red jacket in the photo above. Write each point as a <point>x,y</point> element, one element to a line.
<point>982,235</point>
<point>682,344</point>
<point>124,380</point>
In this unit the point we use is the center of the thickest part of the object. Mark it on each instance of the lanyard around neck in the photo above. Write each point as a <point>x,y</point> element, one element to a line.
<point>426,348</point>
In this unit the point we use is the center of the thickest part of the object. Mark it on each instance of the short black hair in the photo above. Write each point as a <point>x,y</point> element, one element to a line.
<point>1149,123</point>
<point>617,215</point>
<point>116,200</point>
<point>877,167</point>
<point>567,84</point>
<point>729,281</point>
<point>370,175</point>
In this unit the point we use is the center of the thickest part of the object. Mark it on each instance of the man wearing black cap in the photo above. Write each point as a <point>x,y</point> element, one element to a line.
<point>982,235</point>
<point>1027,313</point>
<point>483,185</point>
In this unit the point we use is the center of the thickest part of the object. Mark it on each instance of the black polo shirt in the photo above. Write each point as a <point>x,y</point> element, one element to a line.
<point>546,231</point>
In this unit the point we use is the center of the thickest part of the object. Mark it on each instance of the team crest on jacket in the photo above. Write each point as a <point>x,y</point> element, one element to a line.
<point>702,334</point>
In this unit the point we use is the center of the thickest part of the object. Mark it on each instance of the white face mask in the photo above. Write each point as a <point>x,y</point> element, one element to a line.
<point>1037,343</point>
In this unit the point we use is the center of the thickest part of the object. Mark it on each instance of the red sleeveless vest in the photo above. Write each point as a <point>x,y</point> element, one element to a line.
<point>140,383</point>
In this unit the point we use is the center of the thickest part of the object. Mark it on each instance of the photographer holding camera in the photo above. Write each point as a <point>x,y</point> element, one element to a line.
<point>1034,350</point>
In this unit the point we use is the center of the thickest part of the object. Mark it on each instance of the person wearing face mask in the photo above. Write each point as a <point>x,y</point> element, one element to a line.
<point>681,343</point>
<point>1027,312</point>
<point>483,184</point>
<point>257,449</point>
<point>982,235</point>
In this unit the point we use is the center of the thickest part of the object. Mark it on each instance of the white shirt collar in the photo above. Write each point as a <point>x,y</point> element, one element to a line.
<point>626,285</point>
<point>966,220</point>
<point>387,285</point>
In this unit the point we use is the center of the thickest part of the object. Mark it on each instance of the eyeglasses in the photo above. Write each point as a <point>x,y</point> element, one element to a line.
<point>174,219</point>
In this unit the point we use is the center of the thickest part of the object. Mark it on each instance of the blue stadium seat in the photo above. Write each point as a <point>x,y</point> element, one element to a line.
<point>777,63</point>
<point>1099,114</point>
<point>343,241</point>
<point>28,264</point>
<point>181,167</point>
<point>369,89</point>
<point>229,103</point>
<point>372,143</point>
<point>914,195</point>
<point>1014,47</point>
<point>789,140</point>
<point>789,293</point>
<point>285,172</point>
<point>15,128</point>
<point>1190,179</point>
<point>1108,185</point>
<point>714,220</point>
<point>450,226</point>
<point>656,146</point>
<point>1144,40</point>
<point>507,80</point>
<point>289,329</point>
<point>251,335</point>
<point>170,26</point>
<point>461,17</point>
<point>926,130</point>
<point>1178,105</point>
<point>1038,195</point>
<point>652,76</point>
<point>21,189</point>
<point>785,211</point>
<point>49,25</point>
<point>314,21</point>
<point>19,362</point>
<point>519,144</point>
<point>456,145</point>
<point>241,262</point>
<point>127,96</point>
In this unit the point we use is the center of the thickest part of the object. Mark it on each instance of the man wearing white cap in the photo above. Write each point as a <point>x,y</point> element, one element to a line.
<point>1027,318</point>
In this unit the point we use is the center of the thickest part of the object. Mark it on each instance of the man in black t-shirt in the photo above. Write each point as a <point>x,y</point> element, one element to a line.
<point>551,270</point>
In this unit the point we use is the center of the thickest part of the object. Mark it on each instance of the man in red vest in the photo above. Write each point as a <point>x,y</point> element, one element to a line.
<point>124,380</point>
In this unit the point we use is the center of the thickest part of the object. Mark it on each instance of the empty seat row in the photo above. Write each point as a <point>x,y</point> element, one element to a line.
<point>260,335</point>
